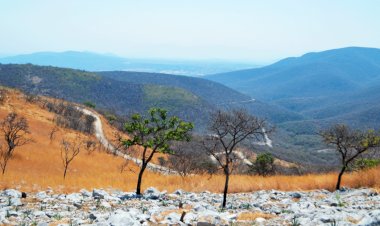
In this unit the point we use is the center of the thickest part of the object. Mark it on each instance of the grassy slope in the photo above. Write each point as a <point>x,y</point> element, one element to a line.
<point>38,166</point>
<point>120,97</point>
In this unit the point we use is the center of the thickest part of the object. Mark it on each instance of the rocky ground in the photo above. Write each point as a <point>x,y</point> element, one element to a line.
<point>100,207</point>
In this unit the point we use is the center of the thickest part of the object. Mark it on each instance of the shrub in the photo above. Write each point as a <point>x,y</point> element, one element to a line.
<point>264,164</point>
<point>89,104</point>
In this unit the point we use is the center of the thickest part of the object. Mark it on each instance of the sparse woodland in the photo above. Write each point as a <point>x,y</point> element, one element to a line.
<point>193,160</point>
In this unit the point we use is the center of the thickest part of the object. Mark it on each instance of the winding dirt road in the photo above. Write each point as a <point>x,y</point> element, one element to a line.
<point>153,167</point>
<point>98,128</point>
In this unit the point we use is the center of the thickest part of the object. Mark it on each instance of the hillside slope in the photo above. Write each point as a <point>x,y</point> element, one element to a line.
<point>214,93</point>
<point>121,97</point>
<point>37,166</point>
<point>118,97</point>
<point>338,85</point>
<point>126,92</point>
<point>313,74</point>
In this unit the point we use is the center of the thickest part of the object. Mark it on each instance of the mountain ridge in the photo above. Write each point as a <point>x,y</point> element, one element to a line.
<point>328,83</point>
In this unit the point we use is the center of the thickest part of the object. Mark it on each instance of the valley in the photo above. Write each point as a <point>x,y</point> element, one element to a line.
<point>190,113</point>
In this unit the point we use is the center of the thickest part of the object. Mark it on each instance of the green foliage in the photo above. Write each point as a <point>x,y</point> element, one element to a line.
<point>154,93</point>
<point>295,222</point>
<point>264,164</point>
<point>111,117</point>
<point>339,200</point>
<point>365,163</point>
<point>157,130</point>
<point>89,104</point>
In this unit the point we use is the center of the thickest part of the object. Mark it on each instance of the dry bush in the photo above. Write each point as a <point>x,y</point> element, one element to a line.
<point>3,95</point>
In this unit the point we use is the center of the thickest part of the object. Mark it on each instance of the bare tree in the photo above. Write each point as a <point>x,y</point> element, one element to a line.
<point>189,158</point>
<point>350,144</point>
<point>14,130</point>
<point>229,129</point>
<point>69,150</point>
<point>52,133</point>
<point>91,146</point>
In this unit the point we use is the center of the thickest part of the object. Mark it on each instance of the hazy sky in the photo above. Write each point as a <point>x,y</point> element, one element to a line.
<point>258,31</point>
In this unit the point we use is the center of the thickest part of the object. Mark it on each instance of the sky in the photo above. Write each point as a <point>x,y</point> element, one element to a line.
<point>236,30</point>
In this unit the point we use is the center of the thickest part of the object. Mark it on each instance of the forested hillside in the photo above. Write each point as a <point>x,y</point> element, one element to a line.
<point>340,86</point>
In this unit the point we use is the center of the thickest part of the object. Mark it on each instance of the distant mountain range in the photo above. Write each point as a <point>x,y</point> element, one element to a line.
<point>341,85</point>
<point>298,95</point>
<point>107,62</point>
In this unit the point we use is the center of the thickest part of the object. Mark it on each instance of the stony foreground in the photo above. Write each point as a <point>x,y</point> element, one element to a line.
<point>348,207</point>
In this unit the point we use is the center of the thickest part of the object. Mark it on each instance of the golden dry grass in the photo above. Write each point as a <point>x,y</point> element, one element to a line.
<point>38,166</point>
<point>251,216</point>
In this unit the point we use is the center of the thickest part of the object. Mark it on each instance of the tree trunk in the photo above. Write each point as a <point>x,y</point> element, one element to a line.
<point>3,169</point>
<point>227,174</point>
<point>340,178</point>
<point>4,166</point>
<point>64,172</point>
<point>139,180</point>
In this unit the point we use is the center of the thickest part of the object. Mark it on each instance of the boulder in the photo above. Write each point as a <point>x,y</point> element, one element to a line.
<point>105,205</point>
<point>178,192</point>
<point>120,217</point>
<point>12,193</point>
<point>99,194</point>
<point>15,202</point>
<point>74,197</point>
<point>296,195</point>
<point>152,193</point>
<point>85,193</point>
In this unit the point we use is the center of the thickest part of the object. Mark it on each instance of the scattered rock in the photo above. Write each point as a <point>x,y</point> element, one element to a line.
<point>122,218</point>
<point>99,193</point>
<point>260,220</point>
<point>178,192</point>
<point>15,202</point>
<point>105,204</point>
<point>41,195</point>
<point>98,208</point>
<point>12,193</point>
<point>85,193</point>
<point>74,198</point>
<point>152,193</point>
<point>296,195</point>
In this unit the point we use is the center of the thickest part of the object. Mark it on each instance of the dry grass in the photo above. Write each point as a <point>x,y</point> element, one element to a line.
<point>38,166</point>
<point>251,216</point>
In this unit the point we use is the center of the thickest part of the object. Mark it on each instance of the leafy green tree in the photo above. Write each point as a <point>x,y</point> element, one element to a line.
<point>264,164</point>
<point>350,144</point>
<point>154,134</point>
